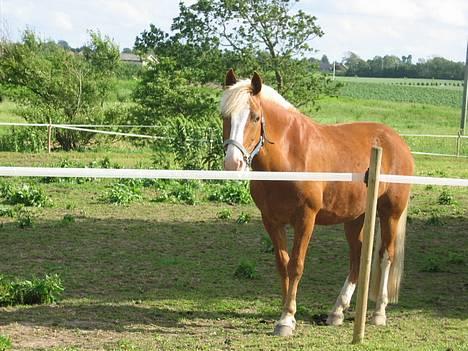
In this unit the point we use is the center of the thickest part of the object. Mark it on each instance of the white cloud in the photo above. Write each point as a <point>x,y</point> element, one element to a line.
<point>62,21</point>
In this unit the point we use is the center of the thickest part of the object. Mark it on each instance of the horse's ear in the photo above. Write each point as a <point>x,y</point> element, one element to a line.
<point>256,83</point>
<point>230,78</point>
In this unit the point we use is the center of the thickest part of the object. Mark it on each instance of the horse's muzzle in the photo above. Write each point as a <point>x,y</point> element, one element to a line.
<point>234,164</point>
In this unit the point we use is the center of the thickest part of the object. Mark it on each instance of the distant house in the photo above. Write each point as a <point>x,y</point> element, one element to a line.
<point>130,58</point>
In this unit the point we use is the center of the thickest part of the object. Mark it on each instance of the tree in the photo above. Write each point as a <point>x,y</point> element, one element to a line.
<point>63,44</point>
<point>51,83</point>
<point>269,32</point>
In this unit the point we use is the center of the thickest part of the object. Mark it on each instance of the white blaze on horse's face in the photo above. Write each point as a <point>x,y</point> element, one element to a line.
<point>234,159</point>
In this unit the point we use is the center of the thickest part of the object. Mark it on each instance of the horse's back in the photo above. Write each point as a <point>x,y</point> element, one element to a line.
<point>352,142</point>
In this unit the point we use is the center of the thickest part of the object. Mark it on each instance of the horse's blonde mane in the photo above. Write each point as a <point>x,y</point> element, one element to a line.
<point>237,97</point>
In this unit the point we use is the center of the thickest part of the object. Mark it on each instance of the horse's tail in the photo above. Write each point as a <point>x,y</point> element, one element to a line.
<point>396,268</point>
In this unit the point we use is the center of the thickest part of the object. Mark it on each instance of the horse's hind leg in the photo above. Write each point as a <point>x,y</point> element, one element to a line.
<point>353,232</point>
<point>388,261</point>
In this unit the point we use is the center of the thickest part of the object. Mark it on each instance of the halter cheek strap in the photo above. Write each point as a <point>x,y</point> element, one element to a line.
<point>249,156</point>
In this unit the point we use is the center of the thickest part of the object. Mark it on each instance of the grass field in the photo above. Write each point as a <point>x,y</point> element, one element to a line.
<point>160,276</point>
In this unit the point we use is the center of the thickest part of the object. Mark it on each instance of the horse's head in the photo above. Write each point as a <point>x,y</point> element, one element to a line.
<point>243,121</point>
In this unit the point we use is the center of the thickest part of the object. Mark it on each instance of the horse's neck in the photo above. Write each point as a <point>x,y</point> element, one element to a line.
<point>282,127</point>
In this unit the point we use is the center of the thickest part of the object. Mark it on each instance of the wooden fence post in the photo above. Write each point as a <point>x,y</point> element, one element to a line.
<point>367,244</point>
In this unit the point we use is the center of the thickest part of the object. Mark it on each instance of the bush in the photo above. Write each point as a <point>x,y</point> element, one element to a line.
<point>24,139</point>
<point>231,192</point>
<point>51,83</point>
<point>30,292</point>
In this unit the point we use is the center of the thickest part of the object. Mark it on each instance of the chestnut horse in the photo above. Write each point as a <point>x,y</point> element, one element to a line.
<point>263,131</point>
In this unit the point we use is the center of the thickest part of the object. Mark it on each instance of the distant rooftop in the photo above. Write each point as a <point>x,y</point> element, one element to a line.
<point>130,58</point>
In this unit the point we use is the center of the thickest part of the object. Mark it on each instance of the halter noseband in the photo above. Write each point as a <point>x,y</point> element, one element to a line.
<point>249,156</point>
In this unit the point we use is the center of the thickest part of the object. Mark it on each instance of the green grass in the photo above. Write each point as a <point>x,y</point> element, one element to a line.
<point>163,276</point>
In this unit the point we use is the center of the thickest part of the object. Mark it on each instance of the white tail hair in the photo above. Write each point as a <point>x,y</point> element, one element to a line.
<point>396,268</point>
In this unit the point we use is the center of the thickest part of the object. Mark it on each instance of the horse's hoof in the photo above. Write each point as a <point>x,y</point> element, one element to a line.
<point>335,319</point>
<point>379,319</point>
<point>283,330</point>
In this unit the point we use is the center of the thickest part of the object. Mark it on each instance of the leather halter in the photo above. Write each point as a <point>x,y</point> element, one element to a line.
<point>249,156</point>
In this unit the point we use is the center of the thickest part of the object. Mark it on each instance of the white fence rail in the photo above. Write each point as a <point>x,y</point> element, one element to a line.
<point>219,175</point>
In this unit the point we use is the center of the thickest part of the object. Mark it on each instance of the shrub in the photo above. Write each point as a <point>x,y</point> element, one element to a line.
<point>231,192</point>
<point>52,83</point>
<point>24,139</point>
<point>246,270</point>
<point>30,292</point>
<point>122,194</point>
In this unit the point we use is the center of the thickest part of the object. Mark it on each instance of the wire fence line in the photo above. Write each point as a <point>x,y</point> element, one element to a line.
<point>446,150</point>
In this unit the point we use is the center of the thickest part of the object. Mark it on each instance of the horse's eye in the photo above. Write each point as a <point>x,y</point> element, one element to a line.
<point>255,117</point>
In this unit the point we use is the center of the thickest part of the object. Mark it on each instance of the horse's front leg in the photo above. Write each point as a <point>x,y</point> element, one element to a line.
<point>279,239</point>
<point>303,229</point>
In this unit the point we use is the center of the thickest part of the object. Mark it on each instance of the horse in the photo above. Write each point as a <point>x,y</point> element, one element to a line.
<point>262,131</point>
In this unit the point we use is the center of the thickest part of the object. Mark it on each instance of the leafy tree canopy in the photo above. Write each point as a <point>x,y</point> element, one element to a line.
<point>54,83</point>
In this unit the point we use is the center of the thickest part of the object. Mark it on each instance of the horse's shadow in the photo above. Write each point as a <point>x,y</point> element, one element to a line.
<point>128,275</point>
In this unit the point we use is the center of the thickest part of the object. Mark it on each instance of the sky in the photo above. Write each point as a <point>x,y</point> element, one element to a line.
<point>422,28</point>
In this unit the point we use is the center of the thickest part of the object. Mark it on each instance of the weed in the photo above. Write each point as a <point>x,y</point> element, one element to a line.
<point>122,194</point>
<point>231,193</point>
<point>243,218</point>
<point>267,244</point>
<point>7,211</point>
<point>5,343</point>
<point>455,258</point>
<point>68,219</point>
<point>184,193</point>
<point>27,195</point>
<point>445,198</point>
<point>246,270</point>
<point>435,220</point>
<point>24,217</point>
<point>225,213</point>
<point>432,264</point>
<point>70,206</point>
<point>177,192</point>
<point>30,292</point>
<point>125,345</point>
